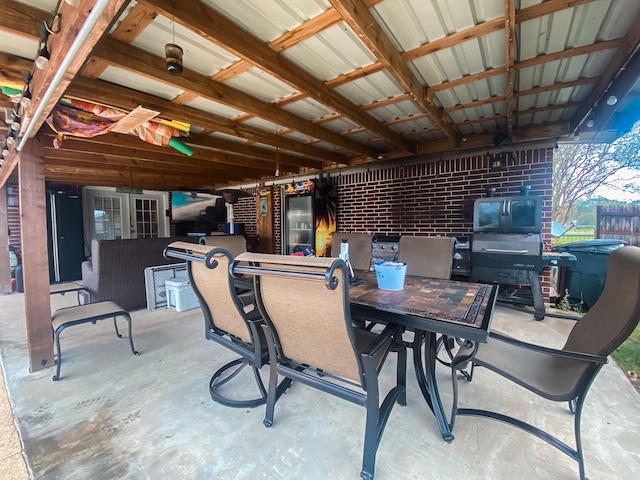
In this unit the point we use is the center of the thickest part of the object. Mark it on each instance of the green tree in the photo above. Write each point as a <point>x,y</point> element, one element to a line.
<point>579,169</point>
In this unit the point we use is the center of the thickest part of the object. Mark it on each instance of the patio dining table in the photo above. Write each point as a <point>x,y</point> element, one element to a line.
<point>428,307</point>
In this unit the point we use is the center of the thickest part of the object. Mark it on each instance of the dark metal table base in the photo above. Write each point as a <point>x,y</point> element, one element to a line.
<point>426,376</point>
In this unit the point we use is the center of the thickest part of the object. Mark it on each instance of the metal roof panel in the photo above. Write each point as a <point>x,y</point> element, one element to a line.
<point>268,19</point>
<point>140,83</point>
<point>331,53</point>
<point>261,85</point>
<point>200,55</point>
<point>216,108</point>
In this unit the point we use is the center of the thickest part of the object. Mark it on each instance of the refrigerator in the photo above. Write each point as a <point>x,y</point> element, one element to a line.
<point>65,240</point>
<point>310,218</point>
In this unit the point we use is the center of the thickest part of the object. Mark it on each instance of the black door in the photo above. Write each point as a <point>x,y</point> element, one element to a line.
<point>65,237</point>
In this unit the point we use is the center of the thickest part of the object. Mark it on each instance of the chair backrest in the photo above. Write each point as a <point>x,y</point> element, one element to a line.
<point>213,285</point>
<point>312,321</point>
<point>236,244</point>
<point>427,256</point>
<point>616,313</point>
<point>359,248</point>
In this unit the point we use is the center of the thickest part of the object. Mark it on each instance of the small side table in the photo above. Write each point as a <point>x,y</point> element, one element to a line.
<point>62,288</point>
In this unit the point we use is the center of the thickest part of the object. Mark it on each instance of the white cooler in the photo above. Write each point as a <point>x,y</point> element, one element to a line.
<point>180,295</point>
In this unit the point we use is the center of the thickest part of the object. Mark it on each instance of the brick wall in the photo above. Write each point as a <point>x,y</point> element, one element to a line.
<point>434,197</point>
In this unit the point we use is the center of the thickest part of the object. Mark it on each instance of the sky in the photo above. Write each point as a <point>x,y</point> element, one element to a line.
<point>625,176</point>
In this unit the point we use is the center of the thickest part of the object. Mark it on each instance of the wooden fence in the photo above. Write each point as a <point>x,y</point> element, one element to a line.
<point>619,223</point>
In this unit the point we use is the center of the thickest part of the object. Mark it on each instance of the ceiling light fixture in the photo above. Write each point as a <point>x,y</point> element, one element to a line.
<point>15,122</point>
<point>42,60</point>
<point>25,100</point>
<point>11,138</point>
<point>612,100</point>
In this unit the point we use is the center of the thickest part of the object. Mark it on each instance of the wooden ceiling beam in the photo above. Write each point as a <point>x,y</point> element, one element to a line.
<point>215,27</point>
<point>362,22</point>
<point>11,67</point>
<point>485,140</point>
<point>204,143</point>
<point>547,8</point>
<point>167,155</point>
<point>144,63</point>
<point>510,49</point>
<point>139,17</point>
<point>119,178</point>
<point>127,99</point>
<point>539,60</point>
<point>256,152</point>
<point>21,19</point>
<point>77,160</point>
<point>72,20</point>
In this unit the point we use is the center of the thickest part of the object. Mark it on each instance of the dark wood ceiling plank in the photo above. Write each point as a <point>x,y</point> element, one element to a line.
<point>163,154</point>
<point>118,178</point>
<point>362,22</point>
<point>11,66</point>
<point>226,34</point>
<point>96,160</point>
<point>146,64</point>
<point>21,19</point>
<point>256,157</point>
<point>127,99</point>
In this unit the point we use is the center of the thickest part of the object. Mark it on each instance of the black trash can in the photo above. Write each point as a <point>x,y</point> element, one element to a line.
<point>19,282</point>
<point>585,281</point>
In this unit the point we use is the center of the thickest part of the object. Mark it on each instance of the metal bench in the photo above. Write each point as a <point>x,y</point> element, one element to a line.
<point>79,314</point>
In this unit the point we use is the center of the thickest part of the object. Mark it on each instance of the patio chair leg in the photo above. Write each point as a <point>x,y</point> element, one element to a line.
<point>273,378</point>
<point>56,335</point>
<point>218,380</point>
<point>128,319</point>
<point>115,325</point>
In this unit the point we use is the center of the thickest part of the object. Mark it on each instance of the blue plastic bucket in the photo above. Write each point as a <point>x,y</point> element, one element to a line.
<point>390,275</point>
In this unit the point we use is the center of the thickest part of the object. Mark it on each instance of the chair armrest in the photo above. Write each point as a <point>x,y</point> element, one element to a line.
<point>383,339</point>
<point>585,357</point>
<point>89,276</point>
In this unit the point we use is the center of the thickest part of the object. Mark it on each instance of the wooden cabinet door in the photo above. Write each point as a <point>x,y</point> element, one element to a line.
<point>264,219</point>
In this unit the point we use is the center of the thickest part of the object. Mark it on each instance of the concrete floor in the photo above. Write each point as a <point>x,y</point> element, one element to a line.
<point>113,415</point>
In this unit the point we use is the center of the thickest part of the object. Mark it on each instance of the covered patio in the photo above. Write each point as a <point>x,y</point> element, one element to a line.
<point>113,415</point>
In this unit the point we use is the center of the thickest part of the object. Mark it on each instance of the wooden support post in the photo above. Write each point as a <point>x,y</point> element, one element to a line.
<point>35,262</point>
<point>5,272</point>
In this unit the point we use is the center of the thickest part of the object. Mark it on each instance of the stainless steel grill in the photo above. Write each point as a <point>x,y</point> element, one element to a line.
<point>384,247</point>
<point>510,259</point>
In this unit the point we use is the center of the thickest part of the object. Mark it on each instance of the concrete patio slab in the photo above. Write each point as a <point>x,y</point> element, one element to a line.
<point>113,415</point>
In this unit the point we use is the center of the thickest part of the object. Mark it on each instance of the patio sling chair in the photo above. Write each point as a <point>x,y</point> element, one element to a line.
<point>427,256</point>
<point>230,319</point>
<point>566,374</point>
<point>305,304</point>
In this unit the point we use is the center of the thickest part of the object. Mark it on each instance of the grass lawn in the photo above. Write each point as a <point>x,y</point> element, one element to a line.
<point>628,357</point>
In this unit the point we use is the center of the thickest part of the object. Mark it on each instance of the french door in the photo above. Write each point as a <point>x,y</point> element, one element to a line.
<point>111,215</point>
